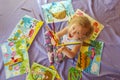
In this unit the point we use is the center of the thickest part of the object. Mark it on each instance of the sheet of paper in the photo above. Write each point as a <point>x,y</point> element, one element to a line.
<point>57,11</point>
<point>15,57</point>
<point>40,72</point>
<point>74,74</point>
<point>98,27</point>
<point>90,57</point>
<point>27,28</point>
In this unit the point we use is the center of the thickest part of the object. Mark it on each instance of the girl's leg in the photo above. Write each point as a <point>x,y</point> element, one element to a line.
<point>49,47</point>
<point>58,57</point>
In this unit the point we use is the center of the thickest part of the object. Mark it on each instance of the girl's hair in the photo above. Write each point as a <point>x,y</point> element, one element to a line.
<point>84,22</point>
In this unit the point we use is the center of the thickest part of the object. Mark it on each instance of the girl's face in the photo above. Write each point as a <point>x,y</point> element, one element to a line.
<point>77,32</point>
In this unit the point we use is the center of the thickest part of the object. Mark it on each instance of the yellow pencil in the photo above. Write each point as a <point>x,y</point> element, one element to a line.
<point>74,43</point>
<point>71,43</point>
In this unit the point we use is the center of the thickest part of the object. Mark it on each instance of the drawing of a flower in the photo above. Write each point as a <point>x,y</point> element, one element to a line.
<point>13,53</point>
<point>94,68</point>
<point>12,48</point>
<point>98,59</point>
<point>16,68</point>
<point>4,49</point>
<point>6,55</point>
<point>11,43</point>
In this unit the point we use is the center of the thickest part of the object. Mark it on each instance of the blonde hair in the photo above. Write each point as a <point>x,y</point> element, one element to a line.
<point>84,22</point>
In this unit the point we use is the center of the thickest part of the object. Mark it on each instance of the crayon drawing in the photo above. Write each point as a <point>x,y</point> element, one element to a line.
<point>40,72</point>
<point>15,57</point>
<point>27,28</point>
<point>90,57</point>
<point>57,11</point>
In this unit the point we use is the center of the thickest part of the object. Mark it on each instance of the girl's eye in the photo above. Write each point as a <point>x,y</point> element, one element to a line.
<point>78,38</point>
<point>78,33</point>
<point>73,28</point>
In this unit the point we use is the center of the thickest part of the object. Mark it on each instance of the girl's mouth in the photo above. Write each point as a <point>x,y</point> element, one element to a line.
<point>70,36</point>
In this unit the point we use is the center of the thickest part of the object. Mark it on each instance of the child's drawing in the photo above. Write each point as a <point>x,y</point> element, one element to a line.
<point>27,28</point>
<point>90,57</point>
<point>39,72</point>
<point>15,57</point>
<point>57,11</point>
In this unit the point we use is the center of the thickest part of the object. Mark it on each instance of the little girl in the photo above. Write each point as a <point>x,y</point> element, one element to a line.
<point>78,29</point>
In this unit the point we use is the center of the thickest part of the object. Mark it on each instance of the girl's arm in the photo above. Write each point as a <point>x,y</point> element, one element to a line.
<point>59,35</point>
<point>62,32</point>
<point>71,53</point>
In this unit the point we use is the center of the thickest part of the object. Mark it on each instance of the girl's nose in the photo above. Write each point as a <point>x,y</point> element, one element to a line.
<point>74,32</point>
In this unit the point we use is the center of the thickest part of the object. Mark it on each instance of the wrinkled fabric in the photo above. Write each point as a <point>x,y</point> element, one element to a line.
<point>107,12</point>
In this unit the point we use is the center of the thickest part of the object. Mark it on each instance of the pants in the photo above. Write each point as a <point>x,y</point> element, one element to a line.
<point>52,55</point>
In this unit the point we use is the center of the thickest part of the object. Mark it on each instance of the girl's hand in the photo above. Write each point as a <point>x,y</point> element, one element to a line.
<point>55,40</point>
<point>60,49</point>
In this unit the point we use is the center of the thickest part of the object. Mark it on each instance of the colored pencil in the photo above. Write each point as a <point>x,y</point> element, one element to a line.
<point>71,43</point>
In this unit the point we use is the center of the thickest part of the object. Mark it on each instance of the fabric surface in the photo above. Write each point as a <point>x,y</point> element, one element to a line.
<point>106,12</point>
